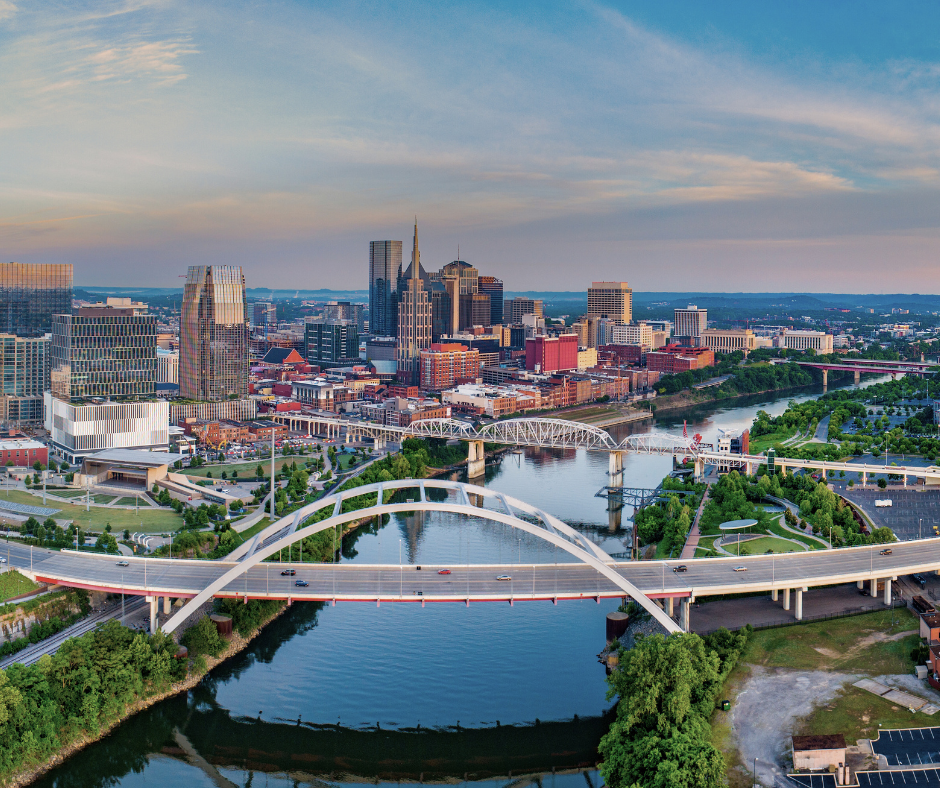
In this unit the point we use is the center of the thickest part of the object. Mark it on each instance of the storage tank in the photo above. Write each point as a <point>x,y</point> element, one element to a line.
<point>616,625</point>
<point>223,624</point>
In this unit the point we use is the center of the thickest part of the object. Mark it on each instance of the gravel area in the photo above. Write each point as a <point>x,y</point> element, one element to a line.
<point>767,708</point>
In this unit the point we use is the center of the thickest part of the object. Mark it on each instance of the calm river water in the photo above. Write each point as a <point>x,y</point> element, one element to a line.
<point>358,694</point>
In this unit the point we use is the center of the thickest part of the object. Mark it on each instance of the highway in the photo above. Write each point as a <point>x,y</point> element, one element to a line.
<point>359,582</point>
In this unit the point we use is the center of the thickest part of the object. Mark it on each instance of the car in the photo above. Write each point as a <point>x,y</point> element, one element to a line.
<point>443,571</point>
<point>301,583</point>
<point>419,593</point>
<point>289,572</point>
<point>503,577</point>
<point>123,563</point>
<point>3,560</point>
<point>680,568</point>
<point>886,551</point>
<point>740,569</point>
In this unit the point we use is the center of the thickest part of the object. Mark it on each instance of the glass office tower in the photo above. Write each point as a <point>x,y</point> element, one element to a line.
<point>30,294</point>
<point>214,334</point>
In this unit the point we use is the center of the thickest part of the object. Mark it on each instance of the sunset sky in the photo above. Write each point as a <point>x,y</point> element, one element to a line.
<point>678,146</point>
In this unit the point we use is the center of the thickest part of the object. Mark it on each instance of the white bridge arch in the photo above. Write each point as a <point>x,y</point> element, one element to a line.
<point>290,529</point>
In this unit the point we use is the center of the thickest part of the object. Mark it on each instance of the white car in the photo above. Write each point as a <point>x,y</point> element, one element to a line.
<point>740,569</point>
<point>884,502</point>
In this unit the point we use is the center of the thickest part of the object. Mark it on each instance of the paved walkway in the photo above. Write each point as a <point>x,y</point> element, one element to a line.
<point>688,550</point>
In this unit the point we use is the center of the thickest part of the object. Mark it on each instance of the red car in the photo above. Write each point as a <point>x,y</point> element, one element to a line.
<point>443,571</point>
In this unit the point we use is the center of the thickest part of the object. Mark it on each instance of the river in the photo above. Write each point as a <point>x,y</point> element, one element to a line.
<point>359,694</point>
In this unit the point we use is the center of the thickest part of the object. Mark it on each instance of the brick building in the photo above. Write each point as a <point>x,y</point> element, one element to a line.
<point>673,359</point>
<point>551,354</point>
<point>442,366</point>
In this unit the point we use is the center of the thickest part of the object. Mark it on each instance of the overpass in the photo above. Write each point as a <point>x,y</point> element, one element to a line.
<point>593,575</point>
<point>858,366</point>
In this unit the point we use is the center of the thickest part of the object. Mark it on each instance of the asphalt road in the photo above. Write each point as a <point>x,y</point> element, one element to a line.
<point>704,577</point>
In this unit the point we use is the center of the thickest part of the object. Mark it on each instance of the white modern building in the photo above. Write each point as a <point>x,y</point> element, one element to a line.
<point>77,430</point>
<point>806,340</point>
<point>634,334</point>
<point>720,340</point>
<point>689,322</point>
<point>168,366</point>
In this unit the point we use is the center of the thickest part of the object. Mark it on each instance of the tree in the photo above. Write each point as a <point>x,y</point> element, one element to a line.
<point>882,483</point>
<point>107,527</point>
<point>53,466</point>
<point>127,535</point>
<point>37,466</point>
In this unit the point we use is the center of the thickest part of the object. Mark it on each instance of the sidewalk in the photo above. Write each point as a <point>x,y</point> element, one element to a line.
<point>688,550</point>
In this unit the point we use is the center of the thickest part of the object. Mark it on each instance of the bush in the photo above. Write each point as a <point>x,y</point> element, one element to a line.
<point>203,638</point>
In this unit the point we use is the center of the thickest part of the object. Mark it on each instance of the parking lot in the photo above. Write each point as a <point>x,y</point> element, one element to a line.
<point>912,515</point>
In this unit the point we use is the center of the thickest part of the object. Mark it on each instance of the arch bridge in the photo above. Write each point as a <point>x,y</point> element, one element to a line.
<point>456,498</point>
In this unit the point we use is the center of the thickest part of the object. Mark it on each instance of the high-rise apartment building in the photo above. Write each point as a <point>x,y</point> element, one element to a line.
<point>690,322</point>
<point>30,294</point>
<point>25,365</point>
<point>493,287</point>
<point>414,320</point>
<point>515,308</point>
<point>613,300</point>
<point>384,273</point>
<point>331,344</point>
<point>214,334</point>
<point>442,365</point>
<point>106,350</point>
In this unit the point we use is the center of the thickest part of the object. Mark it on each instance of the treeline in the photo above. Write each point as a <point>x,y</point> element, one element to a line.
<point>747,379</point>
<point>88,683</point>
<point>668,689</point>
<point>72,607</point>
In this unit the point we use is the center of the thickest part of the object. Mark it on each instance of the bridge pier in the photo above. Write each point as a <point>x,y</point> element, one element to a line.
<point>154,601</point>
<point>684,606</point>
<point>476,459</point>
<point>166,605</point>
<point>774,595</point>
<point>888,590</point>
<point>786,598</point>
<point>798,613</point>
<point>615,468</point>
<point>670,607</point>
<point>825,378</point>
<point>858,377</point>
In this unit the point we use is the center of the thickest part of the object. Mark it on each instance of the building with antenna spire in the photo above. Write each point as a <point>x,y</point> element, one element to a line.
<point>414,319</point>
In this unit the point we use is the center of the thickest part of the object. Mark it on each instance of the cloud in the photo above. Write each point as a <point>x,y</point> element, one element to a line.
<point>7,10</point>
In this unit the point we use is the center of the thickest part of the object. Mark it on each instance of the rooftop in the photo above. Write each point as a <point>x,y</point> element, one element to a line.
<point>832,741</point>
<point>151,459</point>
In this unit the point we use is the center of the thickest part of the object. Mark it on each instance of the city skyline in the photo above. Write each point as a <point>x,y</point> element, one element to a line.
<point>732,149</point>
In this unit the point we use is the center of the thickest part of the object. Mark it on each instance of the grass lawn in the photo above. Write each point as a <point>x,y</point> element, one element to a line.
<point>150,520</point>
<point>127,501</point>
<point>246,469</point>
<point>873,643</point>
<point>765,543</point>
<point>857,713</point>
<point>705,547</point>
<point>344,459</point>
<point>100,498</point>
<point>12,583</point>
<point>764,442</point>
<point>68,493</point>
<point>779,530</point>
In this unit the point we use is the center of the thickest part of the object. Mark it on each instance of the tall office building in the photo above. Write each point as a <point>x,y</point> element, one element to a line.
<point>30,294</point>
<point>414,321</point>
<point>467,276</point>
<point>475,310</point>
<point>107,350</point>
<point>613,300</point>
<point>493,287</point>
<point>264,315</point>
<point>690,322</point>
<point>331,344</point>
<point>25,365</point>
<point>515,308</point>
<point>214,334</point>
<point>339,311</point>
<point>384,273</point>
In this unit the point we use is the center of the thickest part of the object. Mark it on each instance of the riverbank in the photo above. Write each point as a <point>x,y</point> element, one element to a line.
<point>235,645</point>
<point>691,398</point>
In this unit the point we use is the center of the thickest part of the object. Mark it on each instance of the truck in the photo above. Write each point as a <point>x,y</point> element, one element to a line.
<point>882,502</point>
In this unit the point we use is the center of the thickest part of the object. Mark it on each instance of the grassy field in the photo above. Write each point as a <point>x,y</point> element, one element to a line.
<point>812,544</point>
<point>764,442</point>
<point>127,501</point>
<point>150,520</point>
<point>857,714</point>
<point>765,543</point>
<point>873,643</point>
<point>705,547</point>
<point>12,583</point>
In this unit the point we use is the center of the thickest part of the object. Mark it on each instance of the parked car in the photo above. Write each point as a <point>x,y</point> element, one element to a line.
<point>289,572</point>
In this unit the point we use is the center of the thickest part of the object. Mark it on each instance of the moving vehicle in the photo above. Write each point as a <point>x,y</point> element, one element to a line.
<point>443,571</point>
<point>886,551</point>
<point>740,569</point>
<point>503,577</point>
<point>123,563</point>
<point>301,583</point>
<point>289,572</point>
<point>680,568</point>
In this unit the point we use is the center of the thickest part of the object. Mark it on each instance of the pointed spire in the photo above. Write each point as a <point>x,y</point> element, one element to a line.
<point>415,254</point>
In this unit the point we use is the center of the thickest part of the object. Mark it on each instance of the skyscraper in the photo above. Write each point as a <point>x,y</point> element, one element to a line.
<point>214,334</point>
<point>30,294</point>
<point>493,287</point>
<point>613,300</point>
<point>414,320</point>
<point>106,350</point>
<point>690,322</point>
<point>25,362</point>
<point>384,273</point>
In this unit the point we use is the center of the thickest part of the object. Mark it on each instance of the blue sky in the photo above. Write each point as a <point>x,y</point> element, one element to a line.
<point>730,146</point>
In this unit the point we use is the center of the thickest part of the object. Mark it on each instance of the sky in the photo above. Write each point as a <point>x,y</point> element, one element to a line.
<point>733,146</point>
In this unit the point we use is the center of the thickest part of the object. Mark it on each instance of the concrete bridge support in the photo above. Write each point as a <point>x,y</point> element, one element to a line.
<point>684,606</point>
<point>774,595</point>
<point>888,590</point>
<point>670,607</point>
<point>154,602</point>
<point>166,605</point>
<point>786,598</point>
<point>476,459</point>
<point>798,613</point>
<point>615,469</point>
<point>825,378</point>
<point>858,377</point>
